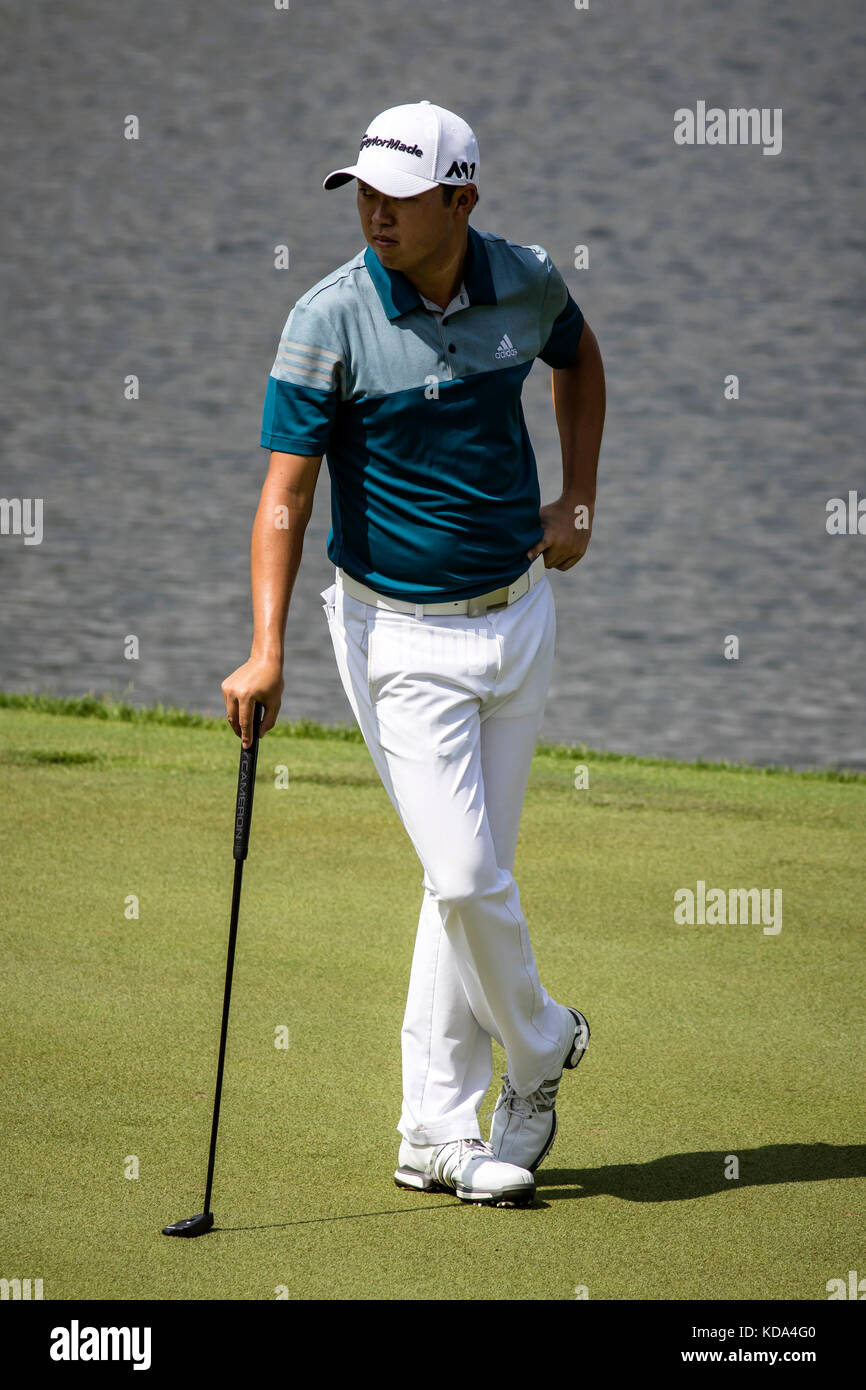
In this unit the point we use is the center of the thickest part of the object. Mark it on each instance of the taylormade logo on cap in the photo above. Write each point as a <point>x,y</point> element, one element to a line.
<point>408,149</point>
<point>390,144</point>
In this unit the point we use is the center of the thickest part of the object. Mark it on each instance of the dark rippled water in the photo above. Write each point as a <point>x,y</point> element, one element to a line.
<point>155,257</point>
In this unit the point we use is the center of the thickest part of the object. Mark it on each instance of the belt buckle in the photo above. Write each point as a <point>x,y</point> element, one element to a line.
<point>476,609</point>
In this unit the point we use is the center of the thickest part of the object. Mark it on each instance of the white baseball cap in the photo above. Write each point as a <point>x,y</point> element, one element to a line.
<point>408,149</point>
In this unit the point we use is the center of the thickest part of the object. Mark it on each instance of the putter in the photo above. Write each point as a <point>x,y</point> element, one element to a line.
<point>199,1225</point>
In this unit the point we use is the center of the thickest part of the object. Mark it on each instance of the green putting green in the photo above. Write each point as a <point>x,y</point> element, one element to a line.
<point>710,1141</point>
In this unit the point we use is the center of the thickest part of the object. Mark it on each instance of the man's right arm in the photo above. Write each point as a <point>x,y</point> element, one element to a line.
<point>284,509</point>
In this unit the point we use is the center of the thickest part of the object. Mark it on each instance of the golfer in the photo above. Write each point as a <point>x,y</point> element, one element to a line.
<point>404,367</point>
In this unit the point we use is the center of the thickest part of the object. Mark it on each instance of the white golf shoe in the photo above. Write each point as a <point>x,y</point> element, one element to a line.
<point>467,1167</point>
<point>524,1127</point>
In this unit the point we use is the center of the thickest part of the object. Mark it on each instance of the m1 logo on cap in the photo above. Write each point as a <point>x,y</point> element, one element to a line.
<point>392,145</point>
<point>461,170</point>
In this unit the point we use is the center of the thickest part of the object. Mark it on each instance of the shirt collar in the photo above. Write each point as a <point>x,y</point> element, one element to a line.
<point>399,295</point>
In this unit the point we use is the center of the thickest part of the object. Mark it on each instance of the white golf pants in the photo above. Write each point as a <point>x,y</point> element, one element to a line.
<point>450,709</point>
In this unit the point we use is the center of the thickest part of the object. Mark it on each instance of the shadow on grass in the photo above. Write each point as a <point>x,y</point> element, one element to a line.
<point>349,1216</point>
<point>674,1178</point>
<point>682,1177</point>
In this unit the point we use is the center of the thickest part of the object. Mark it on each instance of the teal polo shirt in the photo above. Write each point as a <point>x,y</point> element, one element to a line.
<point>434,485</point>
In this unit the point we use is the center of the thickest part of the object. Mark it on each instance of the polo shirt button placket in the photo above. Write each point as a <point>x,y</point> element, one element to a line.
<point>450,347</point>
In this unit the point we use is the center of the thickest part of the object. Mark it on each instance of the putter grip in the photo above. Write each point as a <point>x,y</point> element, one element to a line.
<point>246,787</point>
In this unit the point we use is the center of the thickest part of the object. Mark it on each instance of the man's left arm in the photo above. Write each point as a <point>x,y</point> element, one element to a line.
<point>579,406</point>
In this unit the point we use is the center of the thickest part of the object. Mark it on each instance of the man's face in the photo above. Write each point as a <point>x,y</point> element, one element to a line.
<point>408,233</point>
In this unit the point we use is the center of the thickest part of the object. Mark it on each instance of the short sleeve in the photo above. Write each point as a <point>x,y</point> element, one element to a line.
<point>304,386</point>
<point>561,319</point>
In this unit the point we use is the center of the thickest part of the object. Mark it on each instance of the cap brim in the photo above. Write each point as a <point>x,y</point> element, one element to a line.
<point>394,183</point>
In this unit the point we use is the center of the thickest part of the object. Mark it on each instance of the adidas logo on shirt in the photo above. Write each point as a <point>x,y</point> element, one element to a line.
<point>506,348</point>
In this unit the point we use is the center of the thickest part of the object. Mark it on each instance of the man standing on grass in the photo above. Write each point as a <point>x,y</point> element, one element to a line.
<point>405,367</point>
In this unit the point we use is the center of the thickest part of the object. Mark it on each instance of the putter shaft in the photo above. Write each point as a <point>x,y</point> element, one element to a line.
<point>200,1224</point>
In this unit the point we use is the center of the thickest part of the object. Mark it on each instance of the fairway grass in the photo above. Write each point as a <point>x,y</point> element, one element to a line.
<point>714,1048</point>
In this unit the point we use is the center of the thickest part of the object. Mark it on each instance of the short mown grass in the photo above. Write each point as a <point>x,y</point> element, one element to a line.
<point>710,1142</point>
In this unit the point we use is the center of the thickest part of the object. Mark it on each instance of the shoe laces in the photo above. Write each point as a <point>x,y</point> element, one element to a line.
<point>542,1099</point>
<point>454,1153</point>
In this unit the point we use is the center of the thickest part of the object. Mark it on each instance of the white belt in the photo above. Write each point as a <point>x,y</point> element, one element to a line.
<point>471,607</point>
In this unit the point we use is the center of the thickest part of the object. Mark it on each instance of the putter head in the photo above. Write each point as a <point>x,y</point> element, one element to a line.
<point>191,1225</point>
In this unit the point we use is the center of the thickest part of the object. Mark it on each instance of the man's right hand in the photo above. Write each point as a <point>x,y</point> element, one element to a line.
<point>259,679</point>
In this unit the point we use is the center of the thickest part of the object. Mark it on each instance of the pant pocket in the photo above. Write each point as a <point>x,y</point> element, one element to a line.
<point>329,602</point>
<point>389,649</point>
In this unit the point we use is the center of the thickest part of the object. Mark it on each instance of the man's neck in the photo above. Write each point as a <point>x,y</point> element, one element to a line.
<point>440,283</point>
